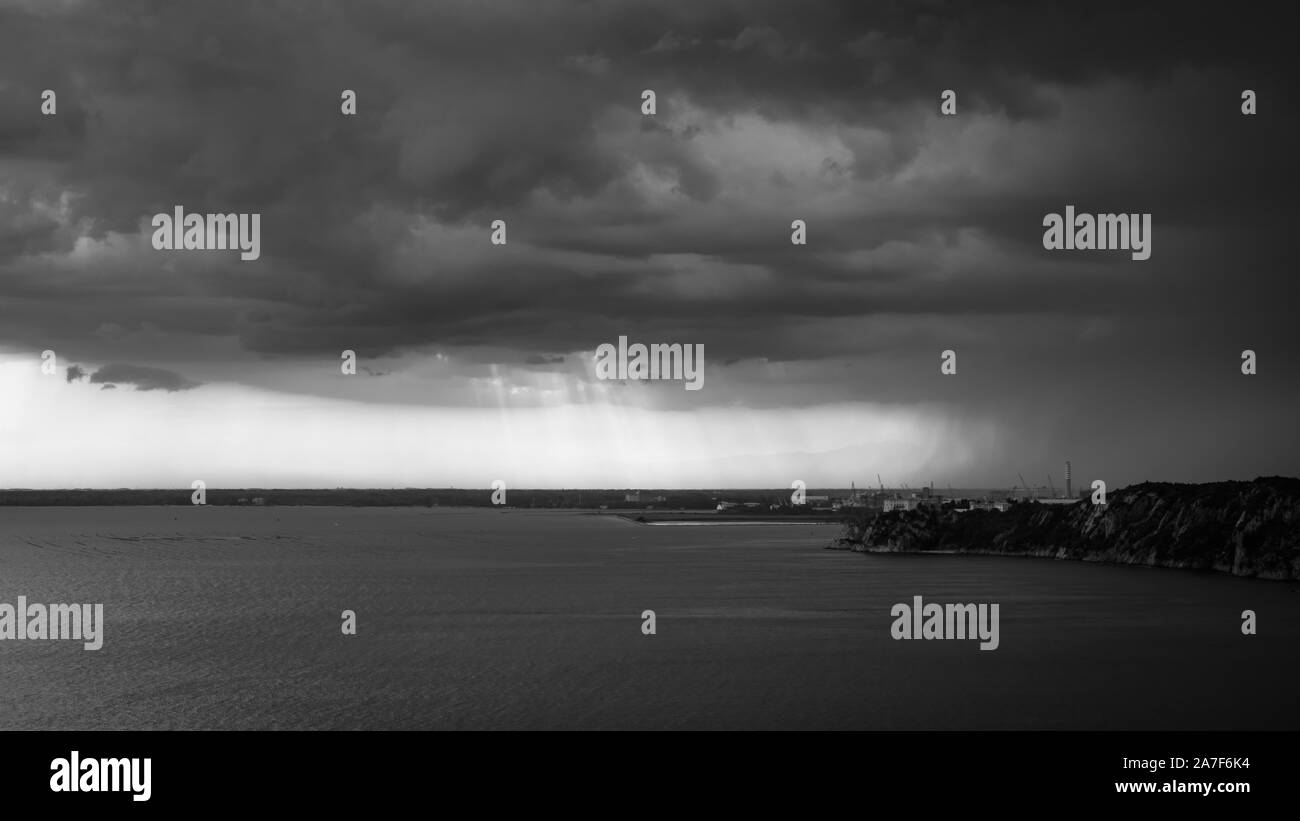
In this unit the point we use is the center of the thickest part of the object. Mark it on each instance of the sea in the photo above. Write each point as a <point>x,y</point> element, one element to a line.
<point>475,618</point>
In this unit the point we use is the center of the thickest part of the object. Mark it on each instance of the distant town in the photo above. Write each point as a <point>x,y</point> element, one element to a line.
<point>883,500</point>
<point>820,503</point>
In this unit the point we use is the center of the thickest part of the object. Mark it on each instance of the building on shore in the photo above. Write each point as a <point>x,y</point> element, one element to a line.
<point>638,497</point>
<point>856,498</point>
<point>900,504</point>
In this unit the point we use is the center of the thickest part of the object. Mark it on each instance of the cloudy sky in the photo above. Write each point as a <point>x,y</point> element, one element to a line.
<point>475,361</point>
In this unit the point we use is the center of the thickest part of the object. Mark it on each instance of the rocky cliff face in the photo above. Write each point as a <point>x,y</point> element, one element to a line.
<point>1242,528</point>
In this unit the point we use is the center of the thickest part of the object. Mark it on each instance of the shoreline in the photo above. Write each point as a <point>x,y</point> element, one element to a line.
<point>1053,554</point>
<point>701,518</point>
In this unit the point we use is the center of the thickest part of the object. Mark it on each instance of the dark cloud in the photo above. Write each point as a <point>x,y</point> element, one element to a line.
<point>924,231</point>
<point>144,379</point>
<point>539,359</point>
<point>214,110</point>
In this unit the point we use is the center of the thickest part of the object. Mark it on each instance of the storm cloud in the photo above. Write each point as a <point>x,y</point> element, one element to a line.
<point>144,379</point>
<point>924,231</point>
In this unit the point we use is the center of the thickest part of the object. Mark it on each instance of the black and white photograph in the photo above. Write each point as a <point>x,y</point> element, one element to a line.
<point>839,372</point>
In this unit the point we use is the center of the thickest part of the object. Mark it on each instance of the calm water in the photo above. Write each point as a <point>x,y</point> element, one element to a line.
<point>230,618</point>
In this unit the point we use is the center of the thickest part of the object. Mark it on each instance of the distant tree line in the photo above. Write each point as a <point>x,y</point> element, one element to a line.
<point>403,497</point>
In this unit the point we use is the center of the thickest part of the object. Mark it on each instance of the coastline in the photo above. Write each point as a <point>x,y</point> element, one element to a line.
<point>1248,529</point>
<point>708,519</point>
<point>1060,554</point>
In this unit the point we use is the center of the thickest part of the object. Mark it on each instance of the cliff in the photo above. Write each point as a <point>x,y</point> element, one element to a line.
<point>1242,528</point>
